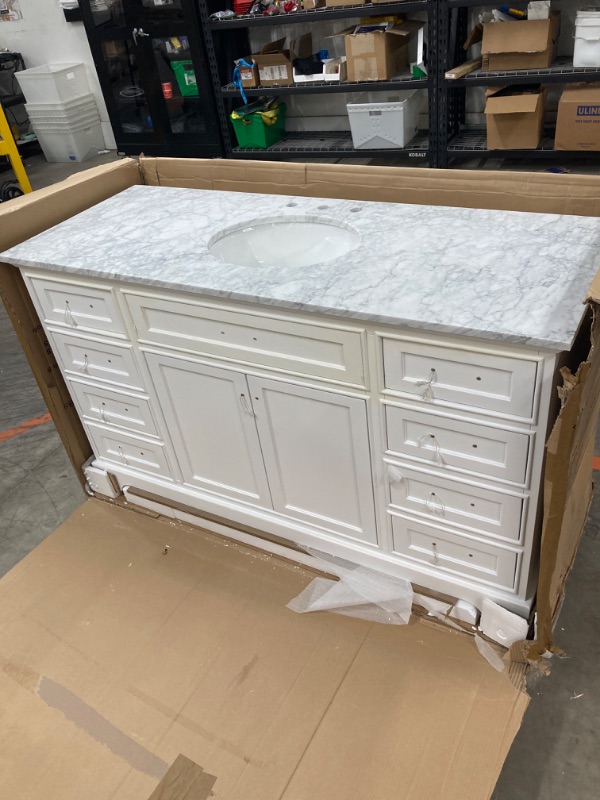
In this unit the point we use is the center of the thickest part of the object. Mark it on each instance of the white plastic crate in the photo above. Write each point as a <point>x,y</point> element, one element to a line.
<point>53,83</point>
<point>69,121</point>
<point>586,52</point>
<point>70,108</point>
<point>63,143</point>
<point>392,121</point>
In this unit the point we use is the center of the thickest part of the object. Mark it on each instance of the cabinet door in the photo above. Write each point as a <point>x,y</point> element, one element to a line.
<point>210,421</point>
<point>316,449</point>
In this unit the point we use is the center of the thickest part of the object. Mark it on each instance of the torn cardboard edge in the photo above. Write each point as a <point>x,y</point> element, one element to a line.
<point>562,194</point>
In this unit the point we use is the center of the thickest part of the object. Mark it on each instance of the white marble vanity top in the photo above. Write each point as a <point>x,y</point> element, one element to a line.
<point>501,275</point>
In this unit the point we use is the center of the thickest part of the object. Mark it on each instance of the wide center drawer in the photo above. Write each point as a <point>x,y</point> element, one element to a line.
<point>102,361</point>
<point>79,307</point>
<point>453,502</point>
<point>441,549</point>
<point>454,443</point>
<point>321,350</point>
<point>464,377</point>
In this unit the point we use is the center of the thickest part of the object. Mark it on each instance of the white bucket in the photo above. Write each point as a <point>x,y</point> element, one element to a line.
<point>586,52</point>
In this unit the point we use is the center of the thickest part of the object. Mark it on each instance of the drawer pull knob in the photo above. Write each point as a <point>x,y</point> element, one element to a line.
<point>123,455</point>
<point>85,364</point>
<point>427,393</point>
<point>435,505</point>
<point>429,442</point>
<point>69,316</point>
<point>103,412</point>
<point>436,557</point>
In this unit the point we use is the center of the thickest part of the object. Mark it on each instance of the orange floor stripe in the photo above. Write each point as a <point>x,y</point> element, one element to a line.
<point>596,462</point>
<point>24,427</point>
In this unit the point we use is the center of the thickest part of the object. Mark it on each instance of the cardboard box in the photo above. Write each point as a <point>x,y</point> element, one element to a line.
<point>380,54</point>
<point>525,44</point>
<point>514,118</point>
<point>310,5</point>
<point>115,658</point>
<point>578,120</point>
<point>342,3</point>
<point>272,67</point>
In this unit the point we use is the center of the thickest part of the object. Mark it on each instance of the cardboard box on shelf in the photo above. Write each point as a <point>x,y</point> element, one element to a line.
<point>342,3</point>
<point>376,53</point>
<point>270,67</point>
<point>287,682</point>
<point>523,44</point>
<point>310,5</point>
<point>514,117</point>
<point>578,120</point>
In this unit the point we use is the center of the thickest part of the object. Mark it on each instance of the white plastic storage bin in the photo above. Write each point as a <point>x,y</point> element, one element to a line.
<point>587,38</point>
<point>68,121</point>
<point>391,121</point>
<point>53,83</point>
<point>70,109</point>
<point>63,143</point>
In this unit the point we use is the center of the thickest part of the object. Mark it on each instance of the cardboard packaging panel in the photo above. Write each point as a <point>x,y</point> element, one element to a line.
<point>116,659</point>
<point>524,44</point>
<point>515,119</point>
<point>578,120</point>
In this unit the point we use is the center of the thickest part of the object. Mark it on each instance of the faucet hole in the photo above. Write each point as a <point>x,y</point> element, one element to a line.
<point>291,205</point>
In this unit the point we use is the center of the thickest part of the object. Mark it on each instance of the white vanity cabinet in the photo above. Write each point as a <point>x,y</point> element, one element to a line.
<point>419,455</point>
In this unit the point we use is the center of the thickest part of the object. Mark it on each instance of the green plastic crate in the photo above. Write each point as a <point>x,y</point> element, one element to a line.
<point>186,78</point>
<point>252,131</point>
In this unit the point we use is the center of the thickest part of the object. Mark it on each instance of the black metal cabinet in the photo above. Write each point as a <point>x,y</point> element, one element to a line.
<point>151,63</point>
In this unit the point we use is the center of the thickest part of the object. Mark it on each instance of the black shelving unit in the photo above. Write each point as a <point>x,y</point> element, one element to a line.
<point>226,40</point>
<point>457,141</point>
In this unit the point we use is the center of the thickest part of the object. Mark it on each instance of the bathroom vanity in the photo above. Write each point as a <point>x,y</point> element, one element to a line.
<point>381,392</point>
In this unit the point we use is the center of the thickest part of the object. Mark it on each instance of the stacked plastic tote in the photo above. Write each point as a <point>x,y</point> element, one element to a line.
<point>62,111</point>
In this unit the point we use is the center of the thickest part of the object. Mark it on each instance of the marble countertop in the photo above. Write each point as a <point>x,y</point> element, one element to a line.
<point>500,275</point>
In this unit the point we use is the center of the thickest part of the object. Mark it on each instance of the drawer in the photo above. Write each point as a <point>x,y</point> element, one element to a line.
<point>117,409</point>
<point>102,361</point>
<point>82,308</point>
<point>307,349</point>
<point>453,502</point>
<point>441,549</point>
<point>457,444</point>
<point>129,451</point>
<point>453,375</point>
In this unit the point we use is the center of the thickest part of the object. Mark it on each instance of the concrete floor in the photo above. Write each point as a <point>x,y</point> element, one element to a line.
<point>555,754</point>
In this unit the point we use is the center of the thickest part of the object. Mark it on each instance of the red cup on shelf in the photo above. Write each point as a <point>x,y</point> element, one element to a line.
<point>167,90</point>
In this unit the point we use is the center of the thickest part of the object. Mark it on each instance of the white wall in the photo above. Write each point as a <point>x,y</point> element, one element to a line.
<point>43,36</point>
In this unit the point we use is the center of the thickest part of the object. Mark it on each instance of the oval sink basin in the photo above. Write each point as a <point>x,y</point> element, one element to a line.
<point>283,243</point>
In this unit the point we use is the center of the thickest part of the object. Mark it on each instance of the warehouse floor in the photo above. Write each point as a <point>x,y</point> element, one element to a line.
<point>555,754</point>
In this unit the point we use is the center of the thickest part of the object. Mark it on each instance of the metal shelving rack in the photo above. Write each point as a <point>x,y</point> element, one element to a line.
<point>458,141</point>
<point>227,39</point>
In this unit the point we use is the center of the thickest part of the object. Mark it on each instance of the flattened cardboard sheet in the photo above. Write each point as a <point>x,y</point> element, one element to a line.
<point>115,659</point>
